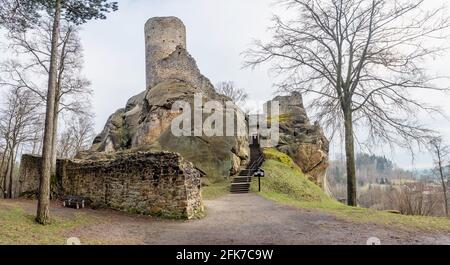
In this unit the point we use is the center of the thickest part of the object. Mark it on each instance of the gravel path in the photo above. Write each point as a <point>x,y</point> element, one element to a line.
<point>250,219</point>
<point>239,219</point>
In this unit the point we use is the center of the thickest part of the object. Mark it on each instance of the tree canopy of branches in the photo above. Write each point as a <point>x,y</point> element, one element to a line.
<point>77,136</point>
<point>229,89</point>
<point>20,15</point>
<point>18,119</point>
<point>361,61</point>
<point>72,89</point>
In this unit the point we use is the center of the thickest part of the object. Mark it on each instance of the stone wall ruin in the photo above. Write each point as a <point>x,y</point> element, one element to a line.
<point>159,183</point>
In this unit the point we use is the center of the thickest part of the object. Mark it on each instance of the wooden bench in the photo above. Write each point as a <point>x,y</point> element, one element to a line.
<point>76,202</point>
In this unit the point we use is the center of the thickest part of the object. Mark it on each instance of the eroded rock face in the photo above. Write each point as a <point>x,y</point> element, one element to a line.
<point>145,122</point>
<point>301,140</point>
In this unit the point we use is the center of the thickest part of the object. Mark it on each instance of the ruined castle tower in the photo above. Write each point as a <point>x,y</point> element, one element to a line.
<point>145,123</point>
<point>162,37</point>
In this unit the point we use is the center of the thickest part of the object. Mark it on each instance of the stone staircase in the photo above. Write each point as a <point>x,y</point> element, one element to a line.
<point>241,183</point>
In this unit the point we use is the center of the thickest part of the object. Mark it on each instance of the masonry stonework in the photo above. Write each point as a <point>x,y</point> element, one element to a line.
<point>162,37</point>
<point>151,183</point>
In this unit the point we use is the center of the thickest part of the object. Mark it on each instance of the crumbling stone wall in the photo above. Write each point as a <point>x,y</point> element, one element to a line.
<point>160,183</point>
<point>30,170</point>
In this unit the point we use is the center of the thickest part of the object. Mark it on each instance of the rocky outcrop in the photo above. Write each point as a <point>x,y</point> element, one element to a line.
<point>145,122</point>
<point>304,142</point>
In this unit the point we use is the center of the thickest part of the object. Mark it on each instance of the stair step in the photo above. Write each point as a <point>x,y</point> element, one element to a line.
<point>242,180</point>
<point>240,187</point>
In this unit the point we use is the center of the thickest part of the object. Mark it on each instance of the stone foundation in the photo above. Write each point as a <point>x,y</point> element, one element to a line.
<point>151,183</point>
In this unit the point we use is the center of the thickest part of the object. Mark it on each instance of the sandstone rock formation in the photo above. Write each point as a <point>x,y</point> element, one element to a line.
<point>145,122</point>
<point>301,140</point>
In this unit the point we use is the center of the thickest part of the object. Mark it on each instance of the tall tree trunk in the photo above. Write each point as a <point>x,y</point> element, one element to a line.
<point>444,187</point>
<point>43,212</point>
<point>5,178</point>
<point>14,188</point>
<point>445,198</point>
<point>35,143</point>
<point>55,139</point>
<point>350,158</point>
<point>10,173</point>
<point>1,169</point>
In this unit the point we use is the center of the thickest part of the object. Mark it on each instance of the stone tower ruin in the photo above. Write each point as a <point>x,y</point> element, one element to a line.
<point>162,37</point>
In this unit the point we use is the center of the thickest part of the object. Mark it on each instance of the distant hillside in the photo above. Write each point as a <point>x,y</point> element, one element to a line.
<point>370,169</point>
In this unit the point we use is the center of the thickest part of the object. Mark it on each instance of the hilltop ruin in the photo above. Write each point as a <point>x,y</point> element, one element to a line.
<point>136,164</point>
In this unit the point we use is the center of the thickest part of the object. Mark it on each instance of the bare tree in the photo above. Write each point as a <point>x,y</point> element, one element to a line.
<point>21,15</point>
<point>237,95</point>
<point>17,125</point>
<point>441,152</point>
<point>77,136</point>
<point>360,61</point>
<point>3,155</point>
<point>35,147</point>
<point>417,199</point>
<point>72,89</point>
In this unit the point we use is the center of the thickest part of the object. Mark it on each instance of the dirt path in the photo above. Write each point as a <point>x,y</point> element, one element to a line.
<point>239,219</point>
<point>250,219</point>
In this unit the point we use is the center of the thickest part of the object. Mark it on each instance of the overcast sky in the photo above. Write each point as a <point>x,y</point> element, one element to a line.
<point>217,32</point>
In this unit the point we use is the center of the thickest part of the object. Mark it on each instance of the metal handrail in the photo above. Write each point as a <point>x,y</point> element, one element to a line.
<point>255,165</point>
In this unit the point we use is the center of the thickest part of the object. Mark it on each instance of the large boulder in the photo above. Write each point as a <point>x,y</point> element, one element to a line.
<point>145,122</point>
<point>304,142</point>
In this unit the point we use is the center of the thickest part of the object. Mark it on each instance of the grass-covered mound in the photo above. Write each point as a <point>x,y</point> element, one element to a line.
<point>284,177</point>
<point>286,184</point>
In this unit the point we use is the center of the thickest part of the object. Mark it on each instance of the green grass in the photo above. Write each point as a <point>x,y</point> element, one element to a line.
<point>286,184</point>
<point>282,179</point>
<point>17,227</point>
<point>214,190</point>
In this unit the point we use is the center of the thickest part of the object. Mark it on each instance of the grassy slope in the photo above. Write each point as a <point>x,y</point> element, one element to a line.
<point>286,184</point>
<point>18,227</point>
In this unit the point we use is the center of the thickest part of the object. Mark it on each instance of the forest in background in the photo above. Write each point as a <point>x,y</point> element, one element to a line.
<point>383,185</point>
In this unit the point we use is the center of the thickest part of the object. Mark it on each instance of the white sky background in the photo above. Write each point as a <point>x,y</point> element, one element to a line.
<point>217,32</point>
